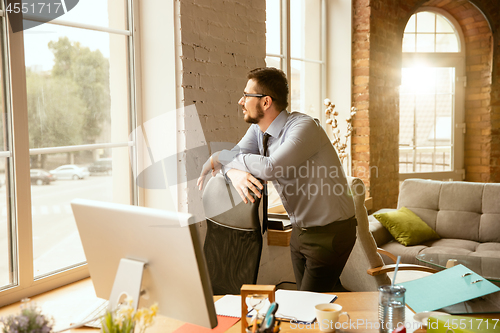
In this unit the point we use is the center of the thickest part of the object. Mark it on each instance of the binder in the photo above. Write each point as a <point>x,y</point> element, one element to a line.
<point>448,287</point>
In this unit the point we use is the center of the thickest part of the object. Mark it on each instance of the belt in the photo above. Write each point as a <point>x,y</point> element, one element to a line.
<point>332,225</point>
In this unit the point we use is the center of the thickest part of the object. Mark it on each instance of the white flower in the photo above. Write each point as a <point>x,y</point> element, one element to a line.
<point>327,101</point>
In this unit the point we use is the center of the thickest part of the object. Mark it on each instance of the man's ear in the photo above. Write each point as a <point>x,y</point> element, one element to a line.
<point>268,101</point>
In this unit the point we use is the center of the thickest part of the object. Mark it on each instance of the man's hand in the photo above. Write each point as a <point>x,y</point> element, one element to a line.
<point>212,164</point>
<point>242,182</point>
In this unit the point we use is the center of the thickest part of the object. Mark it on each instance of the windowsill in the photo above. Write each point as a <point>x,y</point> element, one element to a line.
<point>64,304</point>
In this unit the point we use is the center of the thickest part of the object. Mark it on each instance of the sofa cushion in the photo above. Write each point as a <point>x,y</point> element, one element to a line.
<point>489,230</point>
<point>429,216</point>
<point>406,227</point>
<point>458,224</point>
<point>408,253</point>
<point>461,196</point>
<point>419,193</point>
<point>468,245</point>
<point>379,232</point>
<point>487,250</point>
<point>452,247</point>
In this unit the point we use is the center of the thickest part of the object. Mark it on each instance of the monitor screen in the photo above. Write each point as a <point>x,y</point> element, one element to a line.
<point>175,275</point>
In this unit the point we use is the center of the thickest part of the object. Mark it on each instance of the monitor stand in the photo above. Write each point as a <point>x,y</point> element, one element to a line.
<point>128,280</point>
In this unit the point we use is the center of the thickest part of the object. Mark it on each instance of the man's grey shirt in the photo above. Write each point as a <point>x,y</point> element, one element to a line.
<point>303,166</point>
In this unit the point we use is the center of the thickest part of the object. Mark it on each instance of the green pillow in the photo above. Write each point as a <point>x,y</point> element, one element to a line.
<point>406,227</point>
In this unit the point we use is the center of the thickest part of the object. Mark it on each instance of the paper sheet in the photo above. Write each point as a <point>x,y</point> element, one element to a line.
<point>229,305</point>
<point>299,305</point>
<point>224,323</point>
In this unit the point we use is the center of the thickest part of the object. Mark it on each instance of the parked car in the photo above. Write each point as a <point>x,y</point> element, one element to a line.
<point>70,171</point>
<point>102,165</point>
<point>41,177</point>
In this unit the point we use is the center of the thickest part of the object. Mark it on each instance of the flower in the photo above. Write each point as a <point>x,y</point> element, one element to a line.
<point>332,121</point>
<point>30,320</point>
<point>125,319</point>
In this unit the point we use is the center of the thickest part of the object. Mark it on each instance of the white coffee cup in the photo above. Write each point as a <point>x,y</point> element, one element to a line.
<point>327,316</point>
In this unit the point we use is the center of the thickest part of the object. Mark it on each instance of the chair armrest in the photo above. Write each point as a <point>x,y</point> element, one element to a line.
<point>387,253</point>
<point>402,267</point>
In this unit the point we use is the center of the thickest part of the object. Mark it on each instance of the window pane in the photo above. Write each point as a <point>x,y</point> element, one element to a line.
<point>446,43</point>
<point>445,80</point>
<point>273,62</point>
<point>71,95</point>
<point>5,231</point>
<point>103,13</point>
<point>426,95</point>
<point>425,110</point>
<point>7,239</point>
<point>273,27</point>
<point>406,157</point>
<point>426,22</point>
<point>56,243</point>
<point>305,88</point>
<point>406,114</point>
<point>305,26</point>
<point>409,43</point>
<point>434,34</point>
<point>425,43</point>
<point>410,26</point>
<point>443,25</point>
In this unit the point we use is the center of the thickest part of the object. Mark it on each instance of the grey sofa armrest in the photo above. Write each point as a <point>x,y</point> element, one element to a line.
<point>379,232</point>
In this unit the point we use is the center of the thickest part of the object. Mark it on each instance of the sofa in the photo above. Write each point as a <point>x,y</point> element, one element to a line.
<point>465,215</point>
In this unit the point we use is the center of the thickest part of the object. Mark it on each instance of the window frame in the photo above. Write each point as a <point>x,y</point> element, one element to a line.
<point>457,61</point>
<point>285,47</point>
<point>20,239</point>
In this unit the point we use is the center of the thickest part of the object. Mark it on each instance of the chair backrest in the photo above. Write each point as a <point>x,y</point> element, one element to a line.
<point>233,243</point>
<point>364,254</point>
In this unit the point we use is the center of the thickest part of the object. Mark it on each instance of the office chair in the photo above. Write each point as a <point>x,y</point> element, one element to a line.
<point>233,243</point>
<point>365,269</point>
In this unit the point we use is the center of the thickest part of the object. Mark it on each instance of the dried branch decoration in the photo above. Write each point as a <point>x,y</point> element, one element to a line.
<point>331,119</point>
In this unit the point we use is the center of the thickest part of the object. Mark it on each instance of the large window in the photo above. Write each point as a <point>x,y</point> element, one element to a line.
<point>65,136</point>
<point>295,29</point>
<point>431,98</point>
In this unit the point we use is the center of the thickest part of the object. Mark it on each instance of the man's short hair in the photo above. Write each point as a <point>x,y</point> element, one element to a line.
<point>272,82</point>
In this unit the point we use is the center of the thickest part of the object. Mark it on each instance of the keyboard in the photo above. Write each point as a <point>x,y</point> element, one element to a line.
<point>92,317</point>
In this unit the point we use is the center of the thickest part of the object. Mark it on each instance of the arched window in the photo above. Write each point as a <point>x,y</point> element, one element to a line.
<point>431,97</point>
<point>430,32</point>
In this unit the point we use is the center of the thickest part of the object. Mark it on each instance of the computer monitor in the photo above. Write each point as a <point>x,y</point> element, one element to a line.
<point>175,274</point>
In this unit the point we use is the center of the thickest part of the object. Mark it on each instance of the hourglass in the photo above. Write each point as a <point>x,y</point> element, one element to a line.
<point>255,296</point>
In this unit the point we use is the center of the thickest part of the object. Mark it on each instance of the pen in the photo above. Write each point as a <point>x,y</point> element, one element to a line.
<point>254,325</point>
<point>267,325</point>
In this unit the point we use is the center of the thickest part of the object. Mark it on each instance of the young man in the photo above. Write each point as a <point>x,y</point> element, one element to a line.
<point>304,168</point>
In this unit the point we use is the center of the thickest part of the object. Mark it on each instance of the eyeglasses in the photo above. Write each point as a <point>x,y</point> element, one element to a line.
<point>245,96</point>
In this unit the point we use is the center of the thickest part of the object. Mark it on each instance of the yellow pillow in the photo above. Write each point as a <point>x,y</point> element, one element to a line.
<point>406,227</point>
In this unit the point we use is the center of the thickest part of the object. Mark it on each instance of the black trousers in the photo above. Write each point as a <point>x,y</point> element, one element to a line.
<point>319,254</point>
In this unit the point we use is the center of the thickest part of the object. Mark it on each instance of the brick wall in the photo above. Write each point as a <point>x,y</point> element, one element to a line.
<point>478,46</point>
<point>375,94</point>
<point>220,41</point>
<point>360,142</point>
<point>378,27</point>
<point>491,10</point>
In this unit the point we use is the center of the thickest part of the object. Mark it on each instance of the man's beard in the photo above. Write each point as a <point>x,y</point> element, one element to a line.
<point>255,120</point>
